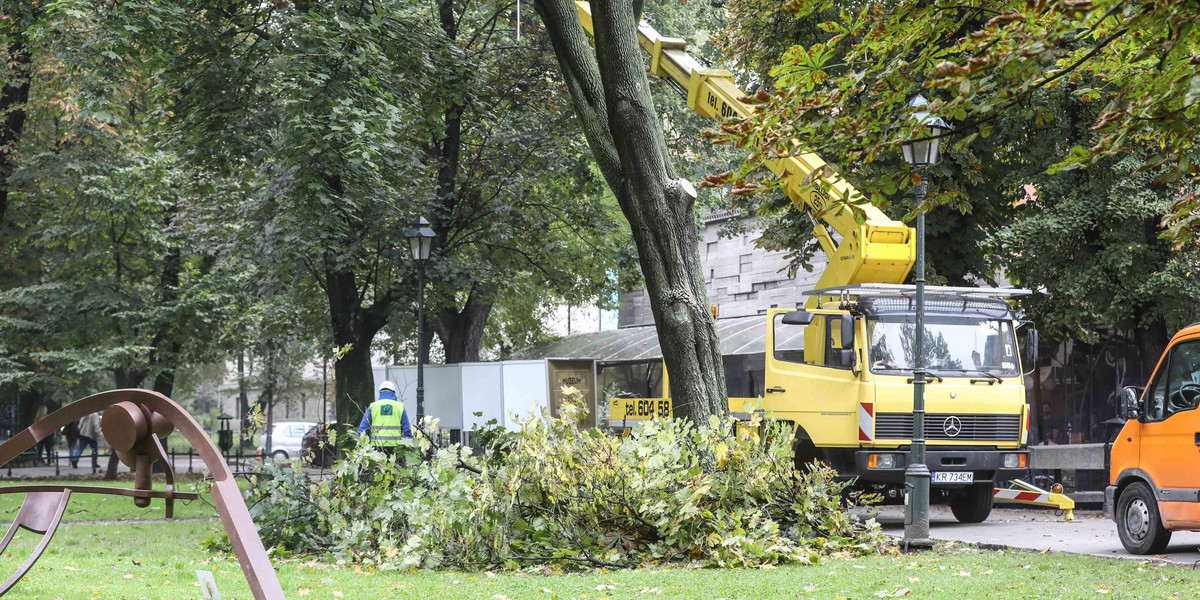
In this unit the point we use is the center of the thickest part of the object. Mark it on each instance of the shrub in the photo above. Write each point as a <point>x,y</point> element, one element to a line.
<point>670,491</point>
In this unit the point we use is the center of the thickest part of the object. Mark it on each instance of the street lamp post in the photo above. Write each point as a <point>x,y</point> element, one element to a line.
<point>919,154</point>
<point>420,241</point>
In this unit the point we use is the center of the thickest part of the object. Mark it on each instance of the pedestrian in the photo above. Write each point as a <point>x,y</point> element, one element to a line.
<point>71,432</point>
<point>89,435</point>
<point>46,446</point>
<point>386,420</point>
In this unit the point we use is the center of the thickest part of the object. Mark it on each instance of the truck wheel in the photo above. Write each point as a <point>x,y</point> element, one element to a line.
<point>804,454</point>
<point>973,504</point>
<point>1138,521</point>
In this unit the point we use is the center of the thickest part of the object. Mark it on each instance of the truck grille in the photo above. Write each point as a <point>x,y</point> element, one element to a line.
<point>898,426</point>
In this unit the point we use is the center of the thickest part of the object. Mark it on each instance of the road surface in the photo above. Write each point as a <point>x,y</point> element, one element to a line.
<point>1034,529</point>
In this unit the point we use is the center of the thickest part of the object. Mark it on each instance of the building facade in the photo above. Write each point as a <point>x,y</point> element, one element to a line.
<point>742,279</point>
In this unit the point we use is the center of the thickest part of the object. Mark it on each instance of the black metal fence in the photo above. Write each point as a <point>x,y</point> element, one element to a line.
<point>184,460</point>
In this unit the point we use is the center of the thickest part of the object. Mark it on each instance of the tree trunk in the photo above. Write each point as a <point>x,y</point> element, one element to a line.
<point>451,147</point>
<point>164,382</point>
<point>354,383</point>
<point>612,99</point>
<point>13,96</point>
<point>165,347</point>
<point>267,399</point>
<point>243,409</point>
<point>123,378</point>
<point>110,471</point>
<point>1037,426</point>
<point>1151,341</point>
<point>353,326</point>
<point>461,332</point>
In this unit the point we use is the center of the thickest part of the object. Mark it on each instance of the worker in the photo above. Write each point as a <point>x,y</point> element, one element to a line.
<point>386,419</point>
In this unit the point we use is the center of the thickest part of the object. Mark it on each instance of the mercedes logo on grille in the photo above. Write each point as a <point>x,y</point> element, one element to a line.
<point>952,426</point>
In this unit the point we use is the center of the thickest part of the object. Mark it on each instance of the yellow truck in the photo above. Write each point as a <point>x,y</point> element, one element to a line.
<point>841,374</point>
<point>840,369</point>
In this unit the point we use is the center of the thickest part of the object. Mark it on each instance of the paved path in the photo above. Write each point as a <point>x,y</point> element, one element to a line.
<point>1090,533</point>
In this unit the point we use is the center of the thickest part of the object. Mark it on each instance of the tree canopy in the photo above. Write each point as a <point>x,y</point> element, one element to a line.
<point>208,177</point>
<point>983,63</point>
<point>1072,153</point>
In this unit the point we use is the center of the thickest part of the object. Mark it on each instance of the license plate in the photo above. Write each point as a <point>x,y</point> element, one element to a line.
<point>954,477</point>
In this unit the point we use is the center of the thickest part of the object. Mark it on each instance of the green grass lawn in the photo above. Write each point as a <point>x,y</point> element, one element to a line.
<point>158,560</point>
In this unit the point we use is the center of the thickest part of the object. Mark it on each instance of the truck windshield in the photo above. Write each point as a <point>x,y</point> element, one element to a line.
<point>954,346</point>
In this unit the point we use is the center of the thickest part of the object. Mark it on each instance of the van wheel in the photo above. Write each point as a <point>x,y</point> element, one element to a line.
<point>279,455</point>
<point>973,504</point>
<point>1138,521</point>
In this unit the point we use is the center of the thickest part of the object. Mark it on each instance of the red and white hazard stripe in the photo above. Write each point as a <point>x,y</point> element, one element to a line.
<point>866,422</point>
<point>1021,496</point>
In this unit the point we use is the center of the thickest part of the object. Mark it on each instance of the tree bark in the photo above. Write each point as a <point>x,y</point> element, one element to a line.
<point>123,378</point>
<point>461,332</point>
<point>353,326</point>
<point>1036,425</point>
<point>110,470</point>
<point>611,94</point>
<point>1151,341</point>
<point>243,410</point>
<point>166,345</point>
<point>13,96</point>
<point>267,399</point>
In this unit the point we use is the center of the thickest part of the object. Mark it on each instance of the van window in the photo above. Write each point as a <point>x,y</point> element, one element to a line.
<point>1183,378</point>
<point>1156,396</point>
<point>789,341</point>
<point>1175,386</point>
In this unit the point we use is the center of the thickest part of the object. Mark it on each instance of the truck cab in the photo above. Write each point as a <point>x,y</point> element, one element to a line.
<point>1155,476</point>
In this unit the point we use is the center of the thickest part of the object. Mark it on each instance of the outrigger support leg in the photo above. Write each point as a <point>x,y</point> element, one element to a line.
<point>1026,493</point>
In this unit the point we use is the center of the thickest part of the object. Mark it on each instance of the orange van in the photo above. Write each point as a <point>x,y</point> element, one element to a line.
<point>1155,472</point>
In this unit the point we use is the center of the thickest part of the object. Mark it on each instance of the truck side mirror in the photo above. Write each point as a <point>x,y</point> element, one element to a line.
<point>1130,406</point>
<point>847,332</point>
<point>1031,349</point>
<point>797,317</point>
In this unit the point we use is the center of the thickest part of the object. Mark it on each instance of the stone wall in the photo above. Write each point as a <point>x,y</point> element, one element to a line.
<point>742,279</point>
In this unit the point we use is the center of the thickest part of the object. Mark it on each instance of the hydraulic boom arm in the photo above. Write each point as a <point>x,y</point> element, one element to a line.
<point>879,250</point>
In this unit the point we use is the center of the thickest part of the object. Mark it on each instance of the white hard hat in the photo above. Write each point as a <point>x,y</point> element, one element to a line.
<point>387,385</point>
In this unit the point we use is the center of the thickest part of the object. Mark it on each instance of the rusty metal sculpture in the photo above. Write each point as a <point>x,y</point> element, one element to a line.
<point>135,422</point>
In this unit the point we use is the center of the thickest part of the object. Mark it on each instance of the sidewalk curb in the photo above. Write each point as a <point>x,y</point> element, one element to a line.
<point>994,546</point>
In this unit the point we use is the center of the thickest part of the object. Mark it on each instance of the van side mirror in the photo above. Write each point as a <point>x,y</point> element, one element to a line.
<point>1031,349</point>
<point>1130,405</point>
<point>847,332</point>
<point>797,317</point>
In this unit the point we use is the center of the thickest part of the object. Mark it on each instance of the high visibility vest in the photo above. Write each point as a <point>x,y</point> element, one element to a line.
<point>386,419</point>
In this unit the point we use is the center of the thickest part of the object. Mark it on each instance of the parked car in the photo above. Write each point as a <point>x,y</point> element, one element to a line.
<point>286,439</point>
<point>1155,460</point>
<point>316,445</point>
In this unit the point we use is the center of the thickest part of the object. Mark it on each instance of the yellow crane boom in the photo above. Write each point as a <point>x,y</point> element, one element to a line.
<point>879,250</point>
